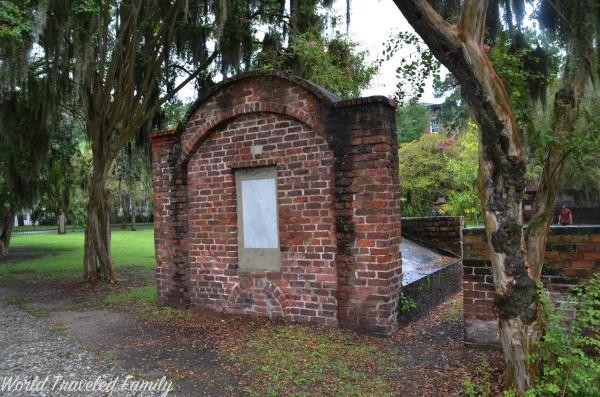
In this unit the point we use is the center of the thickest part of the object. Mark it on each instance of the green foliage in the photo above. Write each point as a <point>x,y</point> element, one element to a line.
<point>64,176</point>
<point>582,169</point>
<point>435,167</point>
<point>576,27</point>
<point>483,386</point>
<point>424,174</point>
<point>569,352</point>
<point>406,304</point>
<point>16,35</point>
<point>411,121</point>
<point>526,72</point>
<point>174,113</point>
<point>25,117</point>
<point>296,360</point>
<point>130,180</point>
<point>462,197</point>
<point>333,63</point>
<point>15,23</point>
<point>415,69</point>
<point>80,7</point>
<point>453,115</point>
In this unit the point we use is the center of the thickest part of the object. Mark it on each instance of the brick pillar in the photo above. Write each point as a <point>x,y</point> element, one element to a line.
<point>368,214</point>
<point>170,217</point>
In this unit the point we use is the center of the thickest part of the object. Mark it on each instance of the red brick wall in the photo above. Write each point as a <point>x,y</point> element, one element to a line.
<point>339,214</point>
<point>367,215</point>
<point>169,207</point>
<point>438,231</point>
<point>307,282</point>
<point>572,257</point>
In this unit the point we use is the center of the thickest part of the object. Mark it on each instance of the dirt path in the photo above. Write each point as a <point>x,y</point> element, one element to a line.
<point>149,349</point>
<point>37,360</point>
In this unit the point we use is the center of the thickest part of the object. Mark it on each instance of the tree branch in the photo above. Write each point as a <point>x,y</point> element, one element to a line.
<point>192,76</point>
<point>176,66</point>
<point>472,20</point>
<point>439,35</point>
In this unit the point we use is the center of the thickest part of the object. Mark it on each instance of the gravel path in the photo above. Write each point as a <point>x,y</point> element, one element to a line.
<point>36,360</point>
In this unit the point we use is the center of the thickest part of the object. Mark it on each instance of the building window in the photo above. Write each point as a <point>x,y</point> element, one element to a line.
<point>258,225</point>
<point>435,126</point>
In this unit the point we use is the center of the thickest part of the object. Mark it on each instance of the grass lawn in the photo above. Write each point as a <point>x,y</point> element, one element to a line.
<point>48,256</point>
<point>299,360</point>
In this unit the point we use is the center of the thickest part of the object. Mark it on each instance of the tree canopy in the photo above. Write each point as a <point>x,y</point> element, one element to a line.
<point>117,66</point>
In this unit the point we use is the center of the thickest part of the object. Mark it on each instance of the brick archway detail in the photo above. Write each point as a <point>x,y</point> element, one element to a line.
<point>269,289</point>
<point>292,97</point>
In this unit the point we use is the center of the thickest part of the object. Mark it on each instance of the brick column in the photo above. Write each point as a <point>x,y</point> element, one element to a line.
<point>368,214</point>
<point>169,209</point>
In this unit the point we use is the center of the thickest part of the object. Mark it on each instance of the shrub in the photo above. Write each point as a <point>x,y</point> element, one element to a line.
<point>569,352</point>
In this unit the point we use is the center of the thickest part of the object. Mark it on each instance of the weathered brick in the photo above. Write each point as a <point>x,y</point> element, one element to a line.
<point>570,258</point>
<point>336,164</point>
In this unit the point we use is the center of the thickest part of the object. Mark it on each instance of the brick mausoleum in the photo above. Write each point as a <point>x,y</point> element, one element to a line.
<point>278,199</point>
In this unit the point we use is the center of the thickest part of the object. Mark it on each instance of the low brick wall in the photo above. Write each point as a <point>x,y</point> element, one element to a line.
<point>443,232</point>
<point>572,257</point>
<point>428,292</point>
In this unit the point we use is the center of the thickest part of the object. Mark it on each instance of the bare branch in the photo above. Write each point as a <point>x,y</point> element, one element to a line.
<point>176,66</point>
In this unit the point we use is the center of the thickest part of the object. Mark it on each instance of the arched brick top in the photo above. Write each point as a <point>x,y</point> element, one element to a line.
<point>270,289</point>
<point>270,92</point>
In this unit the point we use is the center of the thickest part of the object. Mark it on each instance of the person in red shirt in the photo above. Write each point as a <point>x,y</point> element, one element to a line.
<point>566,216</point>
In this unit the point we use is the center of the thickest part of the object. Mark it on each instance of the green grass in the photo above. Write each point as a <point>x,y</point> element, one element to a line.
<point>111,355</point>
<point>455,313</point>
<point>28,307</point>
<point>63,254</point>
<point>142,296</point>
<point>62,257</point>
<point>302,361</point>
<point>145,299</point>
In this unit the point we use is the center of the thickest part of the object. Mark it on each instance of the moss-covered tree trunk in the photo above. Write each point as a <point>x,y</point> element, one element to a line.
<point>63,207</point>
<point>61,223</point>
<point>126,213</point>
<point>133,210</point>
<point>501,174</point>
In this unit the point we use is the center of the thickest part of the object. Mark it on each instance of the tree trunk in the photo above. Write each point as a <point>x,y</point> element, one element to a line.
<point>133,211</point>
<point>61,222</point>
<point>125,214</point>
<point>64,205</point>
<point>501,175</point>
<point>6,228</point>
<point>98,264</point>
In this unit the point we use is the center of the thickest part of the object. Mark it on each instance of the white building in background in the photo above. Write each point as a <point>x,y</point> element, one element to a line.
<point>26,214</point>
<point>435,127</point>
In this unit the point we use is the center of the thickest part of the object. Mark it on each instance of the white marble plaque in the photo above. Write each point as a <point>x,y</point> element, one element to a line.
<point>259,208</point>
